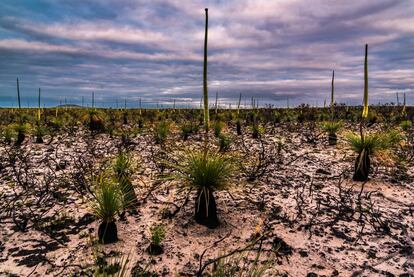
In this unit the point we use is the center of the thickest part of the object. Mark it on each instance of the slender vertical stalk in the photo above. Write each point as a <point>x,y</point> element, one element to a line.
<point>174,105</point>
<point>205,89</point>
<point>18,94</point>
<point>38,107</point>
<point>332,94</point>
<point>140,107</point>
<point>398,100</point>
<point>93,99</point>
<point>125,104</point>
<point>365,110</point>
<point>216,101</point>
<point>404,104</point>
<point>83,101</point>
<point>238,105</point>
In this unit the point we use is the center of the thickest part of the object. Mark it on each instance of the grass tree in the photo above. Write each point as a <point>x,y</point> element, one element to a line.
<point>94,120</point>
<point>368,145</point>
<point>206,172</point>
<point>161,131</point>
<point>123,171</point>
<point>331,128</point>
<point>157,236</point>
<point>362,163</point>
<point>371,143</point>
<point>107,203</point>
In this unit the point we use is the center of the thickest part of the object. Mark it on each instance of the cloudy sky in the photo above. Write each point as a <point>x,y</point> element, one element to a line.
<point>153,50</point>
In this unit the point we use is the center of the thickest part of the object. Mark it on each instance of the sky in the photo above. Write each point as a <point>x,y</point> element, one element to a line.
<point>272,50</point>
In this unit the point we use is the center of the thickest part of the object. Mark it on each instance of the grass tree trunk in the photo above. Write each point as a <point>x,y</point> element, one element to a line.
<point>107,232</point>
<point>362,167</point>
<point>206,208</point>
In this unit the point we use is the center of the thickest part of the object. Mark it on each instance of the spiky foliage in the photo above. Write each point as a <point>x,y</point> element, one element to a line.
<point>8,134</point>
<point>239,266</point>
<point>21,129</point>
<point>204,170</point>
<point>108,199</point>
<point>218,127</point>
<point>117,267</point>
<point>161,131</point>
<point>122,168</point>
<point>187,129</point>
<point>406,125</point>
<point>157,234</point>
<point>373,142</point>
<point>40,131</point>
<point>331,127</point>
<point>224,143</point>
<point>257,130</point>
<point>94,120</point>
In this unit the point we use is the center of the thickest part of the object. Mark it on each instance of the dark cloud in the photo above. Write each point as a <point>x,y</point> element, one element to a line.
<point>270,50</point>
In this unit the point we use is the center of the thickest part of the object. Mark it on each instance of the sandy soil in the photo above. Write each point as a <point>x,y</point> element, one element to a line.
<point>305,204</point>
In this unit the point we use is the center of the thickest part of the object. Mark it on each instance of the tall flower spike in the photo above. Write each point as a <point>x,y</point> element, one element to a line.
<point>332,93</point>
<point>38,108</point>
<point>205,90</point>
<point>365,110</point>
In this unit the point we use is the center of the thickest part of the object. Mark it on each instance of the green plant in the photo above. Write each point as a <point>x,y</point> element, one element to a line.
<point>239,266</point>
<point>218,127</point>
<point>122,168</point>
<point>107,203</point>
<point>117,267</point>
<point>206,172</point>
<point>370,144</point>
<point>406,125</point>
<point>238,127</point>
<point>224,143</point>
<point>157,234</point>
<point>187,129</point>
<point>256,129</point>
<point>8,134</point>
<point>40,131</point>
<point>280,143</point>
<point>21,130</point>
<point>331,128</point>
<point>94,120</point>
